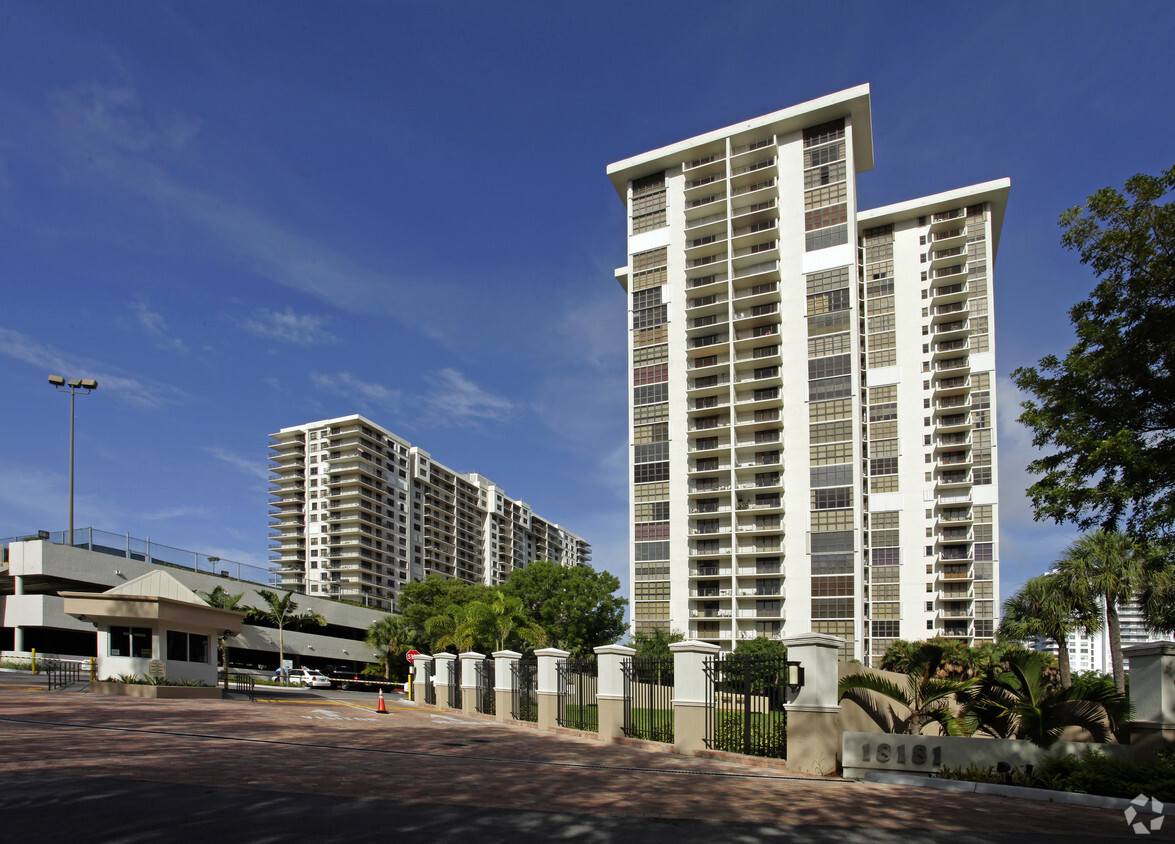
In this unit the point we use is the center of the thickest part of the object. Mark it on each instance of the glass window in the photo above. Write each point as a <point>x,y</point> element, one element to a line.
<point>131,642</point>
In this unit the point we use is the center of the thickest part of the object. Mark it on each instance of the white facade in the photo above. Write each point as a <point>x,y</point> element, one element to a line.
<point>358,511</point>
<point>1092,653</point>
<point>813,390</point>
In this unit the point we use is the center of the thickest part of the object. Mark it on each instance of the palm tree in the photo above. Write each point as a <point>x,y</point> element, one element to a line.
<point>1020,702</point>
<point>1106,565</point>
<point>281,612</point>
<point>1156,596</point>
<point>222,600</point>
<point>504,619</point>
<point>453,628</point>
<point>392,635</point>
<point>927,696</point>
<point>1044,606</point>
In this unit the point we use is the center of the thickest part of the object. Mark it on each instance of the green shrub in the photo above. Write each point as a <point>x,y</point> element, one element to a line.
<point>770,737</point>
<point>1092,772</point>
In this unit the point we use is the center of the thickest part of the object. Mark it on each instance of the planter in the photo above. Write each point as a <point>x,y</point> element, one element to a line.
<point>157,692</point>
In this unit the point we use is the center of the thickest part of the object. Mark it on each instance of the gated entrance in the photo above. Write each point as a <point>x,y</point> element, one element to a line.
<point>648,698</point>
<point>746,694</point>
<point>524,698</point>
<point>579,681</point>
<point>454,683</point>
<point>485,703</point>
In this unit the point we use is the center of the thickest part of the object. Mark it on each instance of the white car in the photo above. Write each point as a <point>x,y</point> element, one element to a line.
<point>304,677</point>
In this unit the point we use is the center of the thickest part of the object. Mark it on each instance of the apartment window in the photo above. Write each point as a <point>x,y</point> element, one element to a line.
<point>763,352</point>
<point>651,453</point>
<point>826,476</point>
<point>650,374</point>
<point>649,317</point>
<point>824,238</point>
<point>830,366</point>
<point>651,394</point>
<point>650,472</point>
<point>831,499</point>
<point>833,300</point>
<point>708,360</point>
<point>648,551</point>
<point>830,388</point>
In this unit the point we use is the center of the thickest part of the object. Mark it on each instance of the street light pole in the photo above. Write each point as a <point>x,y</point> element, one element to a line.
<point>72,386</point>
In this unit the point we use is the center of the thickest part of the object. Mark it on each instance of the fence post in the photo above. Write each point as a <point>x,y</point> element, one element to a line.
<point>547,686</point>
<point>504,663</point>
<point>610,691</point>
<point>421,671</point>
<point>1152,665</point>
<point>440,665</point>
<point>689,695</point>
<point>469,663</point>
<point>813,717</point>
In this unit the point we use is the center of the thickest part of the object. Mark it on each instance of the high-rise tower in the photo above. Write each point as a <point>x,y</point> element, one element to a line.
<point>813,390</point>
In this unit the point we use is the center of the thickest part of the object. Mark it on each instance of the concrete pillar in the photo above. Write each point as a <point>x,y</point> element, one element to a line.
<point>813,717</point>
<point>470,660</point>
<point>1152,691</point>
<point>441,675</point>
<point>610,691</point>
<point>547,686</point>
<point>421,677</point>
<point>18,631</point>
<point>504,663</point>
<point>690,695</point>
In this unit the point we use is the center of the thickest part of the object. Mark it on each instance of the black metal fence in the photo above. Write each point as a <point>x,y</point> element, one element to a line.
<point>454,683</point>
<point>648,698</point>
<point>60,673</point>
<point>486,703</point>
<point>524,698</point>
<point>745,699</point>
<point>242,684</point>
<point>430,689</point>
<point>578,681</point>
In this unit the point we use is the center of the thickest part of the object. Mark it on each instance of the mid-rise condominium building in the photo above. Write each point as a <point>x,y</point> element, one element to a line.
<point>358,511</point>
<point>812,390</point>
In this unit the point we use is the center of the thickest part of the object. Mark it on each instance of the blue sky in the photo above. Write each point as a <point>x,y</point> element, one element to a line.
<point>243,216</point>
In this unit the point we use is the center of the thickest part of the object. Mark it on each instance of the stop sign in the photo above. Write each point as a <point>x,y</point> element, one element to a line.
<point>411,655</point>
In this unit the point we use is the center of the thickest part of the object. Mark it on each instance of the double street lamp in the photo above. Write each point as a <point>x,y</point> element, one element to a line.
<point>73,386</point>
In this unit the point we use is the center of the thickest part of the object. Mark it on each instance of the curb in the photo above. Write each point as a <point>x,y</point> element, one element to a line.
<point>1042,795</point>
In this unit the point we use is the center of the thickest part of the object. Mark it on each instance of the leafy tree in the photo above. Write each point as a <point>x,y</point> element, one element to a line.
<point>1021,703</point>
<point>220,598</point>
<point>503,621</point>
<point>1045,606</point>
<point>928,697</point>
<point>575,606</point>
<point>1106,413</point>
<point>453,628</point>
<point>281,612</point>
<point>434,596</point>
<point>1105,565</point>
<point>656,644</point>
<point>391,635</point>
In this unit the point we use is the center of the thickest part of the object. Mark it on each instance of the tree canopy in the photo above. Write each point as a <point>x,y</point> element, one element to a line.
<point>1046,606</point>
<point>280,610</point>
<point>576,607</point>
<point>1105,414</point>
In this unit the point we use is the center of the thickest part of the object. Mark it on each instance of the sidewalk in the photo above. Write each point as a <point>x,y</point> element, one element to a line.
<point>263,767</point>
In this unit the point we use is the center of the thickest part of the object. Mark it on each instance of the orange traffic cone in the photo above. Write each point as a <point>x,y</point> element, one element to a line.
<point>381,709</point>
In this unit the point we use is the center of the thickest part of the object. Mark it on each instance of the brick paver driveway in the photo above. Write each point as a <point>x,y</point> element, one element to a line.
<point>108,769</point>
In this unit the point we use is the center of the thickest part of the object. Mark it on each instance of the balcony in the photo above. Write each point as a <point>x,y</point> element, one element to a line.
<point>715,301</point>
<point>759,268</point>
<point>710,571</point>
<point>709,613</point>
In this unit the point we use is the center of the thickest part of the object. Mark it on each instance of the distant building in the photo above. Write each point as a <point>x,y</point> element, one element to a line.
<point>812,389</point>
<point>358,511</point>
<point>1092,653</point>
<point>35,572</point>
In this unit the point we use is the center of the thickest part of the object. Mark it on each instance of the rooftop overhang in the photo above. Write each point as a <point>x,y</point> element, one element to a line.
<point>852,103</point>
<point>995,192</point>
<point>101,608</point>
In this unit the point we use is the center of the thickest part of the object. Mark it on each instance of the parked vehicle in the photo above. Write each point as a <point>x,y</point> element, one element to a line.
<point>303,677</point>
<point>354,681</point>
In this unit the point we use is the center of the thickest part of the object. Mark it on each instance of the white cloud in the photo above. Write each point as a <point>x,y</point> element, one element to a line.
<point>254,468</point>
<point>140,392</point>
<point>289,327</point>
<point>347,385</point>
<point>110,113</point>
<point>156,326</point>
<point>455,400</point>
